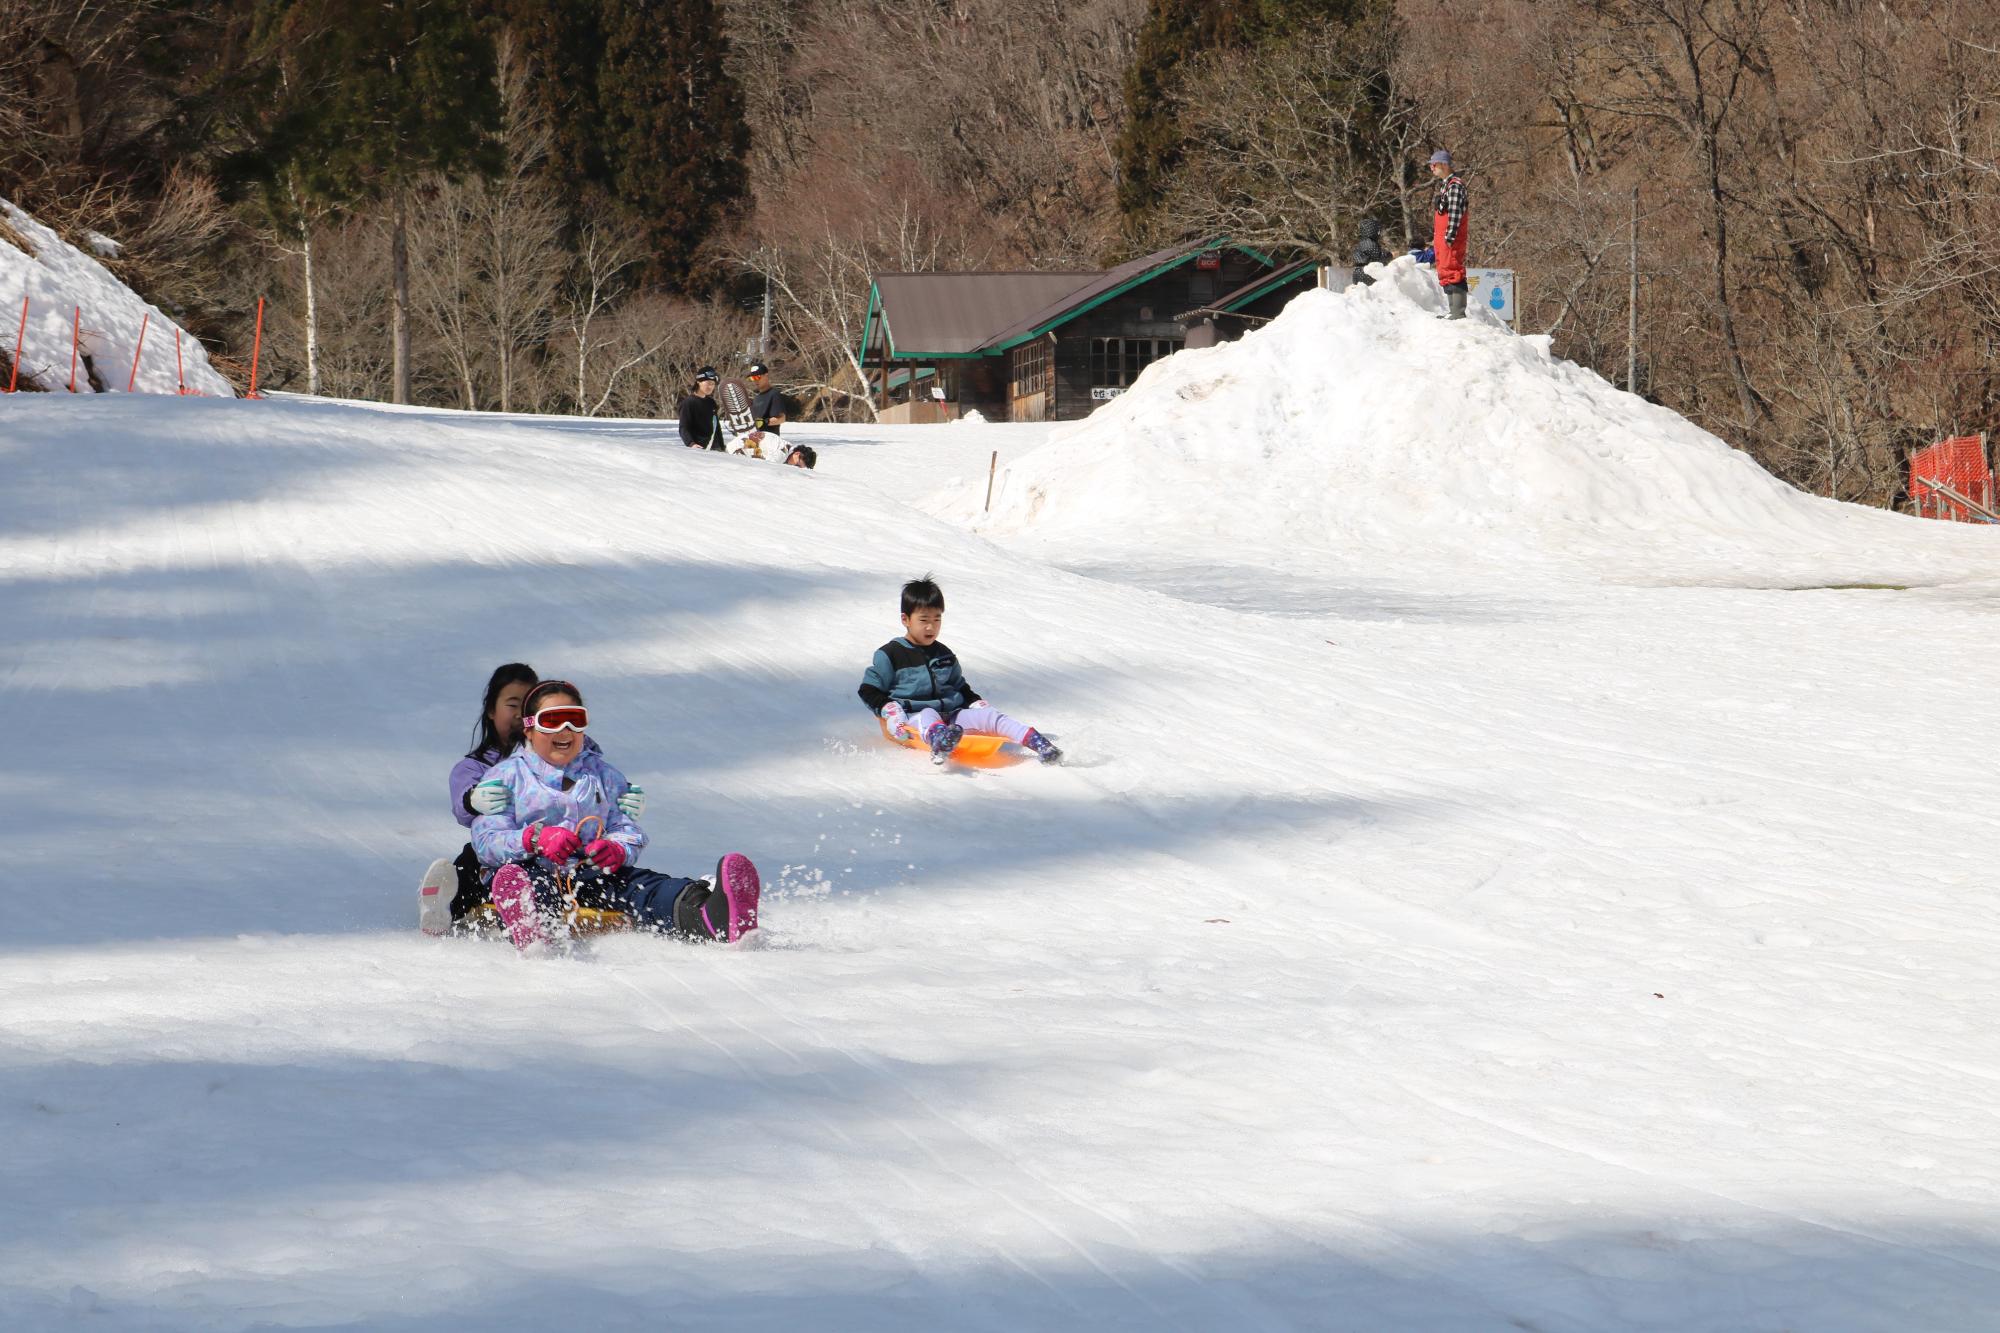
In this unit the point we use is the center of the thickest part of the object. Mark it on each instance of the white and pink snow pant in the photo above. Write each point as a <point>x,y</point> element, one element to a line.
<point>986,721</point>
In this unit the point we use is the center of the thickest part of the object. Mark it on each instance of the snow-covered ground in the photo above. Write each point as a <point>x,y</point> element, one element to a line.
<point>1458,944</point>
<point>77,305</point>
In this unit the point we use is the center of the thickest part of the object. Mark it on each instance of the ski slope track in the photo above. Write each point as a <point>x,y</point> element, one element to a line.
<point>1492,910</point>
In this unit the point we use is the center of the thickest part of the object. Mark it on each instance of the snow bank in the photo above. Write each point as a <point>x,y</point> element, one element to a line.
<point>1358,423</point>
<point>58,279</point>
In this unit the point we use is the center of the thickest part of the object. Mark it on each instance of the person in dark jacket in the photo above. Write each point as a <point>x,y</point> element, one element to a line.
<point>767,403</point>
<point>700,420</point>
<point>1368,251</point>
<point>916,687</point>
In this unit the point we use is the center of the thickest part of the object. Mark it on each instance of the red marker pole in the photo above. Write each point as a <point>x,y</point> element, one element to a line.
<point>180,370</point>
<point>256,348</point>
<point>75,334</point>
<point>133,378</point>
<point>14,376</point>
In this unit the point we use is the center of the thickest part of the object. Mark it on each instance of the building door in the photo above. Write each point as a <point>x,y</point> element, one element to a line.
<point>1032,396</point>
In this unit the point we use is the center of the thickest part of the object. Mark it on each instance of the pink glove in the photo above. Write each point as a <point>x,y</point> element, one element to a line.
<point>552,842</point>
<point>606,855</point>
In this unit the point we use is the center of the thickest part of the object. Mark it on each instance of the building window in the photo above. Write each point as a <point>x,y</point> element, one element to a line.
<point>1031,369</point>
<point>1116,362</point>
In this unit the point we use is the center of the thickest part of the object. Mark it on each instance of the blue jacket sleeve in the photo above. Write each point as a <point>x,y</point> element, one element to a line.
<point>877,682</point>
<point>465,775</point>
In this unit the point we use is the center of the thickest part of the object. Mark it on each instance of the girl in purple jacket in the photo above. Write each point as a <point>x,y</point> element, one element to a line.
<point>453,887</point>
<point>565,842</point>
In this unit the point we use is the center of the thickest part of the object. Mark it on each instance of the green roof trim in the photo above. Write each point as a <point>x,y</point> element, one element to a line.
<point>868,329</point>
<point>1281,280</point>
<point>1127,286</point>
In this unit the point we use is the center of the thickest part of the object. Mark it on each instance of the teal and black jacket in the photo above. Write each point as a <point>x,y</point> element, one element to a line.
<point>917,678</point>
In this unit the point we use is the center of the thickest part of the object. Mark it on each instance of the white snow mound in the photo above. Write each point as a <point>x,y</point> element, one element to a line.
<point>1360,424</point>
<point>60,281</point>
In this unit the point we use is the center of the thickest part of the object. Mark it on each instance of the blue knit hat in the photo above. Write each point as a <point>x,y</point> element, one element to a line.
<point>1440,158</point>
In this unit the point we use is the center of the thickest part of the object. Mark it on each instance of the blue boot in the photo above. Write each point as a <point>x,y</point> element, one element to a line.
<point>1044,748</point>
<point>943,738</point>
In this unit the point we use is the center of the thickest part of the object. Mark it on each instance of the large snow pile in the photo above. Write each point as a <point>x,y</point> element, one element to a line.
<point>60,280</point>
<point>1359,423</point>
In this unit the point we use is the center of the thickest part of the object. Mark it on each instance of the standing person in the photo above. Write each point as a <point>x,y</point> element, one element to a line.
<point>700,421</point>
<point>1368,251</point>
<point>767,403</point>
<point>1449,222</point>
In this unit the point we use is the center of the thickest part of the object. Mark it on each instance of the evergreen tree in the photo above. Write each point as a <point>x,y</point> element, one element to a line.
<point>1152,144</point>
<point>376,93</point>
<point>674,135</point>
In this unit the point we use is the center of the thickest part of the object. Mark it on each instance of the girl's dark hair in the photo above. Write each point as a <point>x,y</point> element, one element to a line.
<point>922,595</point>
<point>484,738</point>
<point>533,702</point>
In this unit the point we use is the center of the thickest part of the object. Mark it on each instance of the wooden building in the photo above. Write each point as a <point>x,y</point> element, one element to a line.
<point>1053,346</point>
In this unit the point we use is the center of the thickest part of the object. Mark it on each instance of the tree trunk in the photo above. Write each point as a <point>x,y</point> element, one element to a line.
<point>1747,397</point>
<point>399,255</point>
<point>312,314</point>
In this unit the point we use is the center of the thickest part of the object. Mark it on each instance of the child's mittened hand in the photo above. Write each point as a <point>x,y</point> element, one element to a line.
<point>557,844</point>
<point>606,855</point>
<point>633,802</point>
<point>490,798</point>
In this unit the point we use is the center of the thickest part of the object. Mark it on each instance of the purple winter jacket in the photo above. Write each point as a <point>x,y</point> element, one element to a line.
<point>466,773</point>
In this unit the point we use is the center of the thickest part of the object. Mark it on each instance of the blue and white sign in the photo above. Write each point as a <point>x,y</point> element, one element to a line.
<point>1491,289</point>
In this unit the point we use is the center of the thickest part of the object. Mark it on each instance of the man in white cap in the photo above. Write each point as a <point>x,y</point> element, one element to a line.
<point>1449,220</point>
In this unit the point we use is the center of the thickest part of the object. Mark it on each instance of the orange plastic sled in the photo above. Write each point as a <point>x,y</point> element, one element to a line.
<point>972,750</point>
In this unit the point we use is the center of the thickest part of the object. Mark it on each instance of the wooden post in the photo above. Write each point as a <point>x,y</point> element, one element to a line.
<point>991,468</point>
<point>256,348</point>
<point>133,378</point>
<point>20,337</point>
<point>75,334</point>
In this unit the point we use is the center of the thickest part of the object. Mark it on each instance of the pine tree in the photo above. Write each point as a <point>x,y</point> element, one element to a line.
<point>1151,146</point>
<point>381,92</point>
<point>674,135</point>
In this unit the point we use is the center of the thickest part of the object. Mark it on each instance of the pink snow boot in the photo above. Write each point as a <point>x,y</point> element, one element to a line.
<point>513,895</point>
<point>725,909</point>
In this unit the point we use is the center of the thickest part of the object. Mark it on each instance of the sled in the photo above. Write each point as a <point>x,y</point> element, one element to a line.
<point>483,920</point>
<point>739,414</point>
<point>974,751</point>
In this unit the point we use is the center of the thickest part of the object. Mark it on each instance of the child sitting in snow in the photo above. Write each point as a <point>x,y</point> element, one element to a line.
<point>451,888</point>
<point>915,686</point>
<point>564,841</point>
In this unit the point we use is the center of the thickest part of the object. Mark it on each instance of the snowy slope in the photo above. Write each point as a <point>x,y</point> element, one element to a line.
<point>1357,428</point>
<point>1432,957</point>
<point>60,280</point>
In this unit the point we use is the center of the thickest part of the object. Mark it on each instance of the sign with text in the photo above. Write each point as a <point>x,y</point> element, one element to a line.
<point>1491,289</point>
<point>1101,394</point>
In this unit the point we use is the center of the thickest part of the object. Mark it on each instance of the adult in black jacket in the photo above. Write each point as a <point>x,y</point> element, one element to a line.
<point>700,421</point>
<point>768,404</point>
<point>1369,251</point>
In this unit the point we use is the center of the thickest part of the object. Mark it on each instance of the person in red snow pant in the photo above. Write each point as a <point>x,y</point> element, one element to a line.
<point>1449,223</point>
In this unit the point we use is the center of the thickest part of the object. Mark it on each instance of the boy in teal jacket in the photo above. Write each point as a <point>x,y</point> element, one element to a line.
<point>916,687</point>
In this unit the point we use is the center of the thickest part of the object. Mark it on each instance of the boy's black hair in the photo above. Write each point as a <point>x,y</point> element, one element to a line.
<point>484,737</point>
<point>807,452</point>
<point>922,595</point>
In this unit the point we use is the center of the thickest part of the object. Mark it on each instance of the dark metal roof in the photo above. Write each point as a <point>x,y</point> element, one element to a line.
<point>947,313</point>
<point>1088,292</point>
<point>1256,287</point>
